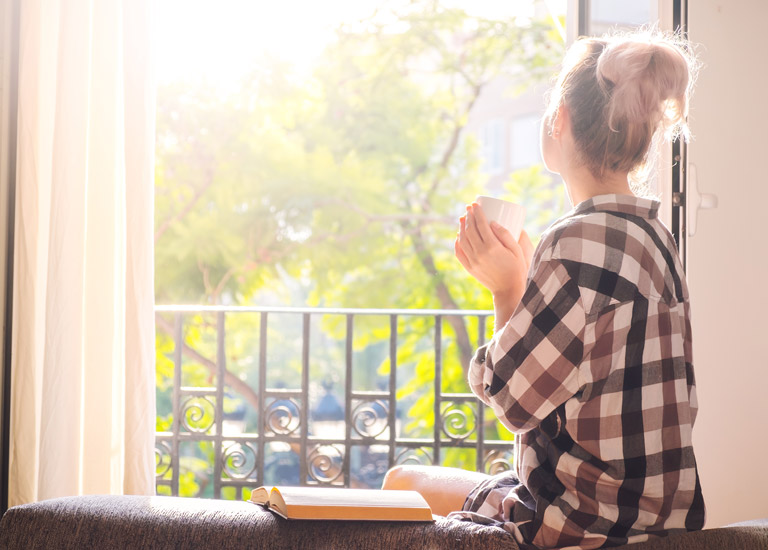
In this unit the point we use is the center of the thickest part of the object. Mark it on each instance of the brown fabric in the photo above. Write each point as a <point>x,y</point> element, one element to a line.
<point>165,523</point>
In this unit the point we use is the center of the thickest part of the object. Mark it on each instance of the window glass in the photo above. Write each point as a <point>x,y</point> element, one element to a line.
<point>493,146</point>
<point>607,15</point>
<point>524,141</point>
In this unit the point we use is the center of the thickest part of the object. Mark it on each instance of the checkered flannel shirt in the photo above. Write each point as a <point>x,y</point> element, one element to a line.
<point>594,373</point>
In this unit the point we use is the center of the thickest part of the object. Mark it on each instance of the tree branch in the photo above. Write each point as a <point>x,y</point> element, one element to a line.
<point>184,211</point>
<point>229,379</point>
<point>446,300</point>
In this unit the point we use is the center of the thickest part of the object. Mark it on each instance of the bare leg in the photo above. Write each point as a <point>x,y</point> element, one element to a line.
<point>444,489</point>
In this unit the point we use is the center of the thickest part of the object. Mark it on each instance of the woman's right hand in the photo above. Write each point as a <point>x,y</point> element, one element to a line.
<point>492,256</point>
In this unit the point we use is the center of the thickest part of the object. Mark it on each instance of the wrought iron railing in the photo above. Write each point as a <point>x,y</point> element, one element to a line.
<point>370,436</point>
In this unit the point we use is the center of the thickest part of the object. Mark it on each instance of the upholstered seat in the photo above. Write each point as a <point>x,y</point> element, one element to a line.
<point>132,522</point>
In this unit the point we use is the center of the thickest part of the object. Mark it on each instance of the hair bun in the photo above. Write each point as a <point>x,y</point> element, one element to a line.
<point>647,78</point>
<point>622,92</point>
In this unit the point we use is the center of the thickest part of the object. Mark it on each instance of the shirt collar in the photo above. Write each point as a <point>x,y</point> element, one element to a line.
<point>626,204</point>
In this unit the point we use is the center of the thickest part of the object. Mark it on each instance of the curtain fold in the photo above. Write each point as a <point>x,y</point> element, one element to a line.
<point>82,403</point>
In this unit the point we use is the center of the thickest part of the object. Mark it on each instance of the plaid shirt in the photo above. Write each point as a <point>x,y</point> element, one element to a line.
<point>594,373</point>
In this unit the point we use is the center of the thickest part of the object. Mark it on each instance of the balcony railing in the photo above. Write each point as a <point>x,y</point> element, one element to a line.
<point>288,440</point>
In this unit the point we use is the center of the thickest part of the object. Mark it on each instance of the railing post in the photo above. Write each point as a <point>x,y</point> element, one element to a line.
<point>438,387</point>
<point>348,385</point>
<point>221,368</point>
<point>392,416</point>
<point>304,411</point>
<point>178,338</point>
<point>262,425</point>
<point>480,459</point>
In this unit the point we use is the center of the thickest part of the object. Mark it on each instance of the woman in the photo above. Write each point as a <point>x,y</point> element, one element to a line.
<point>590,364</point>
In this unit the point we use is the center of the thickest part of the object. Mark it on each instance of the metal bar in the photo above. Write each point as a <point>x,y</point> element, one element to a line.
<point>438,386</point>
<point>193,391</point>
<point>304,411</point>
<point>679,156</point>
<point>459,397</point>
<point>182,308</point>
<point>369,395</point>
<point>347,459</point>
<point>480,458</point>
<point>178,337</point>
<point>221,367</point>
<point>283,394</point>
<point>262,392</point>
<point>392,416</point>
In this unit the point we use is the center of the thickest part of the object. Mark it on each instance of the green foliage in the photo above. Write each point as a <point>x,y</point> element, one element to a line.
<point>341,189</point>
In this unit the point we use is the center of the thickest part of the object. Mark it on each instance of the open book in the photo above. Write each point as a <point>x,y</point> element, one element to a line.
<point>343,504</point>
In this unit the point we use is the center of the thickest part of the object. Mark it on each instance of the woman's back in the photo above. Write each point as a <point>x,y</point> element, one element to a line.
<point>613,462</point>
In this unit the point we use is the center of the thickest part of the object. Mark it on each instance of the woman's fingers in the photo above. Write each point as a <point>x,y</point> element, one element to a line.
<point>460,255</point>
<point>473,233</point>
<point>506,238</point>
<point>527,247</point>
<point>481,222</point>
<point>462,238</point>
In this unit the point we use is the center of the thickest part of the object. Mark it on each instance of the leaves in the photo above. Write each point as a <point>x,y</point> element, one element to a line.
<point>342,189</point>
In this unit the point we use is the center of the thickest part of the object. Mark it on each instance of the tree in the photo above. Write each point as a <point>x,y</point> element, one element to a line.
<point>343,189</point>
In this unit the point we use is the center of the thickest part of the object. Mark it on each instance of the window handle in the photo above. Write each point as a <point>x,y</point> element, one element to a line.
<point>696,201</point>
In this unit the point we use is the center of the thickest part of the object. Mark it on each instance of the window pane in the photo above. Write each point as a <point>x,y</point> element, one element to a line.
<point>524,141</point>
<point>606,15</point>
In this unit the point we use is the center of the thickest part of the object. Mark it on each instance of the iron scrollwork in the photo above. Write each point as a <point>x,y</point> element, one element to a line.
<point>498,461</point>
<point>198,414</point>
<point>324,463</point>
<point>163,456</point>
<point>282,417</point>
<point>458,420</point>
<point>369,418</point>
<point>239,460</point>
<point>418,456</point>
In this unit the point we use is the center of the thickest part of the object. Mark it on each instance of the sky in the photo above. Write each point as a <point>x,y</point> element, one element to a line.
<point>220,39</point>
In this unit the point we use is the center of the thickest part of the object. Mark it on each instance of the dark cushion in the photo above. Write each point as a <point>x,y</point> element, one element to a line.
<point>132,522</point>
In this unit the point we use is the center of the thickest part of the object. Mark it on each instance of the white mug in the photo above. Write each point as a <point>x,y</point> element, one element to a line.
<point>507,214</point>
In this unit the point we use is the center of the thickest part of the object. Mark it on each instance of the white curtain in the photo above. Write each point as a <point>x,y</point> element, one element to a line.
<point>83,381</point>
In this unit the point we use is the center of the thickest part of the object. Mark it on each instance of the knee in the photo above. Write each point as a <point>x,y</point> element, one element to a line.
<point>399,478</point>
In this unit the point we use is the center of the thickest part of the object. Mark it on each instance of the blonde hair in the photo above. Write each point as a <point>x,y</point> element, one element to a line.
<point>623,92</point>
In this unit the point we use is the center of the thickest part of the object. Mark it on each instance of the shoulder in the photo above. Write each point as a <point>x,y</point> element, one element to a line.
<point>591,248</point>
<point>580,238</point>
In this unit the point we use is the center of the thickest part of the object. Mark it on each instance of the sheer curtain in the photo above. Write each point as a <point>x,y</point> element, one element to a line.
<point>82,406</point>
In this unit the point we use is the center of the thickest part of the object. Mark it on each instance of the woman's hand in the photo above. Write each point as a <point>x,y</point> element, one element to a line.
<point>492,256</point>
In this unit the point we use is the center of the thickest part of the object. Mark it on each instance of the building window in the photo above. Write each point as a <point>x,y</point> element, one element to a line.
<point>524,148</point>
<point>493,146</point>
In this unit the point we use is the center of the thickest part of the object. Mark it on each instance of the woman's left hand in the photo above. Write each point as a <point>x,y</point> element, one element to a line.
<point>492,256</point>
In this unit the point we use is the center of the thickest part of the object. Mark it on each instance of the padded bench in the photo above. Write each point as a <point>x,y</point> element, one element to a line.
<point>165,523</point>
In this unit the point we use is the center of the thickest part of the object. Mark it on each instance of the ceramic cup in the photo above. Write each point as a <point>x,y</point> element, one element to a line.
<point>507,214</point>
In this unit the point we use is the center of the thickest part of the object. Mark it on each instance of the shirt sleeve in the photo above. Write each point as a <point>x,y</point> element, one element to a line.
<point>530,366</point>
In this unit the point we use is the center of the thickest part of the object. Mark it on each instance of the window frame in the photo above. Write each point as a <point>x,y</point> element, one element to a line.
<point>673,15</point>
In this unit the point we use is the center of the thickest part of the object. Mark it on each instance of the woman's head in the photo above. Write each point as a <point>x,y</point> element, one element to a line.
<point>621,92</point>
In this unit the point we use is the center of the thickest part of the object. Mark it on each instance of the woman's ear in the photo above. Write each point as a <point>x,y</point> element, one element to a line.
<point>562,120</point>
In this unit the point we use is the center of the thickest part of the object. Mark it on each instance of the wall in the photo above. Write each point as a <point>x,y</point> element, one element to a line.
<point>728,257</point>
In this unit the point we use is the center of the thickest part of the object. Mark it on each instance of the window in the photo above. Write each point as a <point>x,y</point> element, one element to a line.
<point>524,148</point>
<point>313,325</point>
<point>494,146</point>
<point>606,15</point>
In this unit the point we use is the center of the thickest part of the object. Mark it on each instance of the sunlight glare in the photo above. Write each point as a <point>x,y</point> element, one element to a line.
<point>220,40</point>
